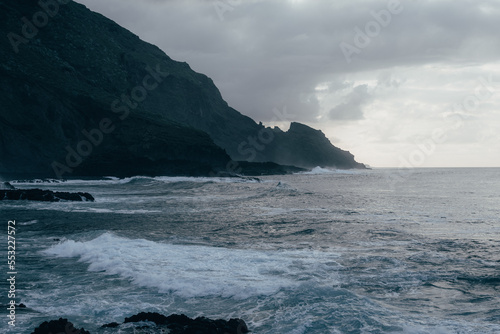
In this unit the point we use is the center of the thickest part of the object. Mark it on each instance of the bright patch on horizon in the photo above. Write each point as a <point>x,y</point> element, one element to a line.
<point>296,2</point>
<point>321,87</point>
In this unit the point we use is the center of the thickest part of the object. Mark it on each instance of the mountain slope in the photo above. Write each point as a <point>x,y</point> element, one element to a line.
<point>64,75</point>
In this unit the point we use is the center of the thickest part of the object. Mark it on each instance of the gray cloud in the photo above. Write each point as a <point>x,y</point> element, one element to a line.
<point>267,53</point>
<point>352,108</point>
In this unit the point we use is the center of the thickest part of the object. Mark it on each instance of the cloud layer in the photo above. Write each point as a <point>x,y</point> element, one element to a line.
<point>378,77</point>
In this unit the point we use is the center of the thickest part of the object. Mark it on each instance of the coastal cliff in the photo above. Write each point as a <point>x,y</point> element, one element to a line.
<point>83,96</point>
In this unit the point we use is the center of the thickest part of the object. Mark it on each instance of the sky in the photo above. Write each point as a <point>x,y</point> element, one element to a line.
<point>396,83</point>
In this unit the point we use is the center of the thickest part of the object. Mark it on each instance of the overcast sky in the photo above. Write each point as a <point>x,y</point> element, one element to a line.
<point>415,83</point>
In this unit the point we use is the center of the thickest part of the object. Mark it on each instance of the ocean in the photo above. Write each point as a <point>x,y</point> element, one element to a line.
<point>328,251</point>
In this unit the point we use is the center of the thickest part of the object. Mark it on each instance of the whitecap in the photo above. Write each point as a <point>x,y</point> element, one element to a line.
<point>321,171</point>
<point>31,222</point>
<point>195,270</point>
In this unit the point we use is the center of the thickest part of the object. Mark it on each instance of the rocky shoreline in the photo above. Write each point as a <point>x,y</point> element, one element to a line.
<point>9,193</point>
<point>157,323</point>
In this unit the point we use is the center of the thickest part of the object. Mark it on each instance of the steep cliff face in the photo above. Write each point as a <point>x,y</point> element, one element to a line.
<point>67,73</point>
<point>307,147</point>
<point>48,133</point>
<point>57,116</point>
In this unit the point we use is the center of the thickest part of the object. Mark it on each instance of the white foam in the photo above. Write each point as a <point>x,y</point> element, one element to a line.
<point>111,180</point>
<point>104,210</point>
<point>78,207</point>
<point>37,181</point>
<point>194,270</point>
<point>171,179</point>
<point>320,170</point>
<point>31,222</point>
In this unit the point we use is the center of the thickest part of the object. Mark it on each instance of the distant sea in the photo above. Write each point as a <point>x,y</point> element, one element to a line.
<point>329,251</point>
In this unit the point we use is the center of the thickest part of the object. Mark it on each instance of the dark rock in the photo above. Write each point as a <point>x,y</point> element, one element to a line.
<point>306,147</point>
<point>58,326</point>
<point>111,325</point>
<point>157,318</point>
<point>182,324</point>
<point>266,168</point>
<point>6,186</point>
<point>175,323</point>
<point>44,195</point>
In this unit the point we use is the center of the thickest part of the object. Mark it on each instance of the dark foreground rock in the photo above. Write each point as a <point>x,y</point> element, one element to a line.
<point>58,326</point>
<point>176,324</point>
<point>43,195</point>
<point>182,324</point>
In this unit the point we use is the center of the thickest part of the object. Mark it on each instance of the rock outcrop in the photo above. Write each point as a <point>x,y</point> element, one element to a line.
<point>304,146</point>
<point>58,326</point>
<point>181,324</point>
<point>173,324</point>
<point>44,195</point>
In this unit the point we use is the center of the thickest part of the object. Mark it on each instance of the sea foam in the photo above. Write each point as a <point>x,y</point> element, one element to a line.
<point>194,270</point>
<point>320,170</point>
<point>111,180</point>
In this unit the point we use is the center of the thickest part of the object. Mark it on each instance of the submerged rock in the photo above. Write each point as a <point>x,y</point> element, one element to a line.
<point>44,195</point>
<point>111,325</point>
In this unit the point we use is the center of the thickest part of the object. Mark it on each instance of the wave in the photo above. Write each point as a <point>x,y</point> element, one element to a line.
<point>31,222</point>
<point>239,179</point>
<point>110,180</point>
<point>37,181</point>
<point>320,171</point>
<point>196,270</point>
<point>105,210</point>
